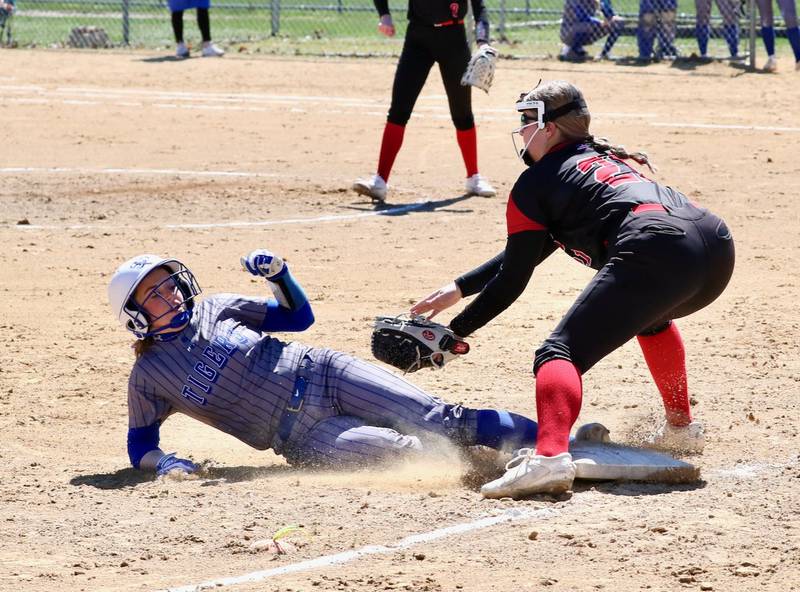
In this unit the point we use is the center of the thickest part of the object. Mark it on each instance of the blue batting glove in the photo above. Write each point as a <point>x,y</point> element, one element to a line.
<point>169,463</point>
<point>264,263</point>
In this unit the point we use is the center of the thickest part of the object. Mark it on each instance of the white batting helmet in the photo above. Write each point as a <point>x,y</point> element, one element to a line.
<point>128,276</point>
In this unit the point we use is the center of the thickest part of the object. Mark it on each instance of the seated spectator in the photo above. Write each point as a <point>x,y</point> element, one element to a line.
<point>581,26</point>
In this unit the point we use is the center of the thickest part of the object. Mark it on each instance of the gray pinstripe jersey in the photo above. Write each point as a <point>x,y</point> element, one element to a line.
<point>221,370</point>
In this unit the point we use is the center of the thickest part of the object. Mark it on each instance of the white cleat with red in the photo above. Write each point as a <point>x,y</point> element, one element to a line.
<point>528,473</point>
<point>688,439</point>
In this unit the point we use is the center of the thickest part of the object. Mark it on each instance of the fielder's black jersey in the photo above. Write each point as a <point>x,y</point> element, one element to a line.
<point>580,197</point>
<point>437,12</point>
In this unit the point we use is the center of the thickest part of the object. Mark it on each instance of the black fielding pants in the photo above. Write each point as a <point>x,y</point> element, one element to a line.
<point>424,46</point>
<point>662,267</point>
<point>203,22</point>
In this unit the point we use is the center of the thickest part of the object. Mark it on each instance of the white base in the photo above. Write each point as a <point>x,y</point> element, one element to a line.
<point>605,461</point>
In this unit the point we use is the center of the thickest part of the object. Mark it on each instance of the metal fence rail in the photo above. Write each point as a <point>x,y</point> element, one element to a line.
<point>327,27</point>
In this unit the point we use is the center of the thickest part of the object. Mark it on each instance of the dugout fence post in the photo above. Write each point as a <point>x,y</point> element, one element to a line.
<point>751,9</point>
<point>275,15</point>
<point>126,23</point>
<point>501,27</point>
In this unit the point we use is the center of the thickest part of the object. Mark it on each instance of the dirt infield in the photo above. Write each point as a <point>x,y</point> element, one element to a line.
<point>108,155</point>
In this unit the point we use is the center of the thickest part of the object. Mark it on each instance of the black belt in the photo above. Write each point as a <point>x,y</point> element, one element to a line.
<point>294,405</point>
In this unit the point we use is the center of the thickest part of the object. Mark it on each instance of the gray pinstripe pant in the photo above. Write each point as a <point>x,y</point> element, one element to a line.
<point>356,413</point>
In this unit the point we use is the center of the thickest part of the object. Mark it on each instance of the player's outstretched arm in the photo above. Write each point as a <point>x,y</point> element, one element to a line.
<point>145,454</point>
<point>437,301</point>
<point>291,310</point>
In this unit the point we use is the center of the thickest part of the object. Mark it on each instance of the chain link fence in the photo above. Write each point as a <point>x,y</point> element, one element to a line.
<point>520,28</point>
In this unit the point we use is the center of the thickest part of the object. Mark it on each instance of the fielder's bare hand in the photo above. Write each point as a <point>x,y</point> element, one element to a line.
<point>386,25</point>
<point>437,301</point>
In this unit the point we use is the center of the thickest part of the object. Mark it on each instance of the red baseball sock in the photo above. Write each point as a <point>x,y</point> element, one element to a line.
<point>468,142</point>
<point>390,146</point>
<point>666,358</point>
<point>559,393</point>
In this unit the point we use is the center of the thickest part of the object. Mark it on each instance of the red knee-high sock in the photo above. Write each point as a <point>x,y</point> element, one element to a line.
<point>390,146</point>
<point>666,358</point>
<point>468,142</point>
<point>559,392</point>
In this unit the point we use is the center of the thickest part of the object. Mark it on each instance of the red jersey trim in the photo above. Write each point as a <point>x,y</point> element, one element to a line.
<point>516,221</point>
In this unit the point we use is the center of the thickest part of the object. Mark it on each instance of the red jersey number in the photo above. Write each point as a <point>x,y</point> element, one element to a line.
<point>608,170</point>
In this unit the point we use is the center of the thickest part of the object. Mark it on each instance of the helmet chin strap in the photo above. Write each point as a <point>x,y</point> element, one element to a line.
<point>524,155</point>
<point>179,321</point>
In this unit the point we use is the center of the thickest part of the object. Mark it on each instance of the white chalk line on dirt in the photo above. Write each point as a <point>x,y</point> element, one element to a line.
<point>243,98</point>
<point>739,471</point>
<point>510,515</point>
<point>113,96</point>
<point>719,126</point>
<point>123,171</point>
<point>390,211</point>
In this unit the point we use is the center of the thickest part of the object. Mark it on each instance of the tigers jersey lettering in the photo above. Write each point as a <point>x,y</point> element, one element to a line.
<point>221,370</point>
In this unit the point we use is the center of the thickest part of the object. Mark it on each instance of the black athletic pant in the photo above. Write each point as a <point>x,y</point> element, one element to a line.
<point>203,22</point>
<point>662,266</point>
<point>424,46</point>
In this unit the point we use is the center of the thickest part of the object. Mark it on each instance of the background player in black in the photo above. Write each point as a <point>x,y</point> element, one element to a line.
<point>435,34</point>
<point>658,256</point>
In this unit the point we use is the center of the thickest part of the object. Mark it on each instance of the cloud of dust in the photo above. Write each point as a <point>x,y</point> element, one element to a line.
<point>439,467</point>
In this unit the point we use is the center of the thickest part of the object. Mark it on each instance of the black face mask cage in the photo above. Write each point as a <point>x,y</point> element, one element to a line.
<point>183,280</point>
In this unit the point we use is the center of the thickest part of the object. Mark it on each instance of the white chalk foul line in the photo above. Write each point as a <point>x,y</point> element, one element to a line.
<point>510,515</point>
<point>120,171</point>
<point>194,226</point>
<point>721,126</point>
<point>329,218</point>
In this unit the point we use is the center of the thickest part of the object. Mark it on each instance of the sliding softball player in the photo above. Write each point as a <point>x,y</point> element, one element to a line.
<point>215,361</point>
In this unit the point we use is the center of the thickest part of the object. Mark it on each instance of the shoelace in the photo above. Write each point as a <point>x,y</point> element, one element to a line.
<point>520,455</point>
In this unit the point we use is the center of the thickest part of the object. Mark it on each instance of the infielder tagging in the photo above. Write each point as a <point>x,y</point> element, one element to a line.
<point>658,257</point>
<point>435,34</point>
<point>216,362</point>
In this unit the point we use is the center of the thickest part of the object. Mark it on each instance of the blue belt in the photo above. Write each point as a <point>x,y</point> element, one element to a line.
<point>293,407</point>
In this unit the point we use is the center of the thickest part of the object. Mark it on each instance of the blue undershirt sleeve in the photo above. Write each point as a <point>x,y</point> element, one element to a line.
<point>141,441</point>
<point>290,310</point>
<point>280,318</point>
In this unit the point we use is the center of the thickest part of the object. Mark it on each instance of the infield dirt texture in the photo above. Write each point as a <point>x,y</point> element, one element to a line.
<point>101,154</point>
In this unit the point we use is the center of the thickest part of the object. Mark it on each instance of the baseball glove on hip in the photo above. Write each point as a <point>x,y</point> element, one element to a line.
<point>413,343</point>
<point>480,70</point>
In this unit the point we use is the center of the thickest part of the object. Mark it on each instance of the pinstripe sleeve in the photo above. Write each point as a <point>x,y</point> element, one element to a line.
<point>248,310</point>
<point>144,407</point>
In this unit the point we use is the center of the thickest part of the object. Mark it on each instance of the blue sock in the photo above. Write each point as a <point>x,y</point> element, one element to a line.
<point>505,430</point>
<point>644,40</point>
<point>703,32</point>
<point>768,36</point>
<point>731,34</point>
<point>794,39</point>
